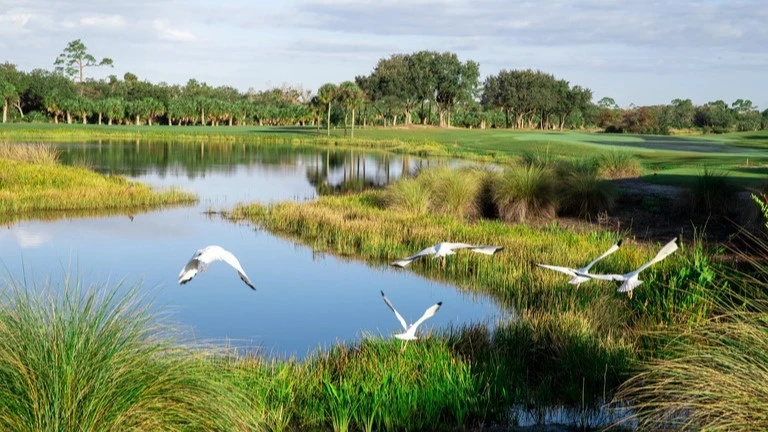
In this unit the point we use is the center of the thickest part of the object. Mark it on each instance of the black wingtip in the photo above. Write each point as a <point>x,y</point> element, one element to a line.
<point>439,303</point>
<point>382,293</point>
<point>618,243</point>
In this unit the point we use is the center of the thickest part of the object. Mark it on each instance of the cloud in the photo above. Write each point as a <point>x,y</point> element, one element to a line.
<point>30,240</point>
<point>111,22</point>
<point>170,34</point>
<point>14,23</point>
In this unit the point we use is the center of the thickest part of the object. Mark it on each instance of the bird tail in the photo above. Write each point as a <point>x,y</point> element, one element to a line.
<point>401,263</point>
<point>578,280</point>
<point>629,285</point>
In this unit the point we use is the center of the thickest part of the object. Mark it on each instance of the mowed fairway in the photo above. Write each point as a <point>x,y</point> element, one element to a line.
<point>665,159</point>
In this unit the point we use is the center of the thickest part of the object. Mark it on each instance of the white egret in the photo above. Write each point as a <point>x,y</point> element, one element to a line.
<point>410,330</point>
<point>630,280</point>
<point>204,257</point>
<point>443,249</point>
<point>573,271</point>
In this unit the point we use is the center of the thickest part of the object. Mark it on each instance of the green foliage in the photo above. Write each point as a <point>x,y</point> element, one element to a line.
<point>584,194</point>
<point>762,203</point>
<point>94,359</point>
<point>526,193</point>
<point>453,191</point>
<point>75,58</point>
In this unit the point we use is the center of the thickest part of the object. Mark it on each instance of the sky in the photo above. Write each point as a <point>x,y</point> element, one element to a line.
<point>637,52</point>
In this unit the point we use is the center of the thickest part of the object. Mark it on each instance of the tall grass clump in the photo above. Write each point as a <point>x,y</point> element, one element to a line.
<point>453,191</point>
<point>712,376</point>
<point>539,158</point>
<point>584,194</point>
<point>619,164</point>
<point>407,195</point>
<point>712,193</point>
<point>32,153</point>
<point>90,360</point>
<point>762,205</point>
<point>526,193</point>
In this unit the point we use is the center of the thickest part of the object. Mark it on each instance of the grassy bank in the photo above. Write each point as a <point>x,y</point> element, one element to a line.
<point>33,184</point>
<point>741,154</point>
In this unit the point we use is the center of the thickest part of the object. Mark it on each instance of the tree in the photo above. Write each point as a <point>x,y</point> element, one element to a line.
<point>455,82</point>
<point>682,113</point>
<point>351,98</point>
<point>12,85</point>
<point>327,94</point>
<point>75,58</point>
<point>608,103</point>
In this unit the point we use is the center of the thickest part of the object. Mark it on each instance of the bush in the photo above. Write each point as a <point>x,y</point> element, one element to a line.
<point>584,194</point>
<point>525,193</point>
<point>454,191</point>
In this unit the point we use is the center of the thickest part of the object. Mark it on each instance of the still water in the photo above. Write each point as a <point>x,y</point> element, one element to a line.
<point>304,300</point>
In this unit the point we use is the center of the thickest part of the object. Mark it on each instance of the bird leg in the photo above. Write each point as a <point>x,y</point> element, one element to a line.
<point>442,262</point>
<point>402,349</point>
<point>203,268</point>
<point>629,294</point>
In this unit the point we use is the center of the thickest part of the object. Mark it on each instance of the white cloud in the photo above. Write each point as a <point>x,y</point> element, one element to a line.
<point>170,34</point>
<point>111,21</point>
<point>13,23</point>
<point>30,240</point>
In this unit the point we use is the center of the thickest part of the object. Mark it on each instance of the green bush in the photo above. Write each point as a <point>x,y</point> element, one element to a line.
<point>525,193</point>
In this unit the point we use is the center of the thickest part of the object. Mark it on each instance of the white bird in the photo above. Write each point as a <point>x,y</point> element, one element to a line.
<point>204,257</point>
<point>443,249</point>
<point>410,330</point>
<point>573,272</point>
<point>630,280</point>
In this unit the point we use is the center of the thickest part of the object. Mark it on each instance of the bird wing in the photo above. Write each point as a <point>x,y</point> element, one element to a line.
<point>190,269</point>
<point>217,253</point>
<point>611,250</point>
<point>429,313</point>
<point>566,270</point>
<point>397,314</point>
<point>608,277</point>
<point>487,250</point>
<point>451,246</point>
<point>663,253</point>
<point>408,260</point>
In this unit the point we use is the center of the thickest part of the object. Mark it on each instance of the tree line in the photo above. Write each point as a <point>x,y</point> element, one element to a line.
<point>425,87</point>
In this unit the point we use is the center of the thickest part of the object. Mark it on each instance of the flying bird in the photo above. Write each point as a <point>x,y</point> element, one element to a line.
<point>204,257</point>
<point>410,330</point>
<point>443,249</point>
<point>573,272</point>
<point>630,280</point>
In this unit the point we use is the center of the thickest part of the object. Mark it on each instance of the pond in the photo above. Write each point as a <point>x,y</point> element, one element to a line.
<point>304,300</point>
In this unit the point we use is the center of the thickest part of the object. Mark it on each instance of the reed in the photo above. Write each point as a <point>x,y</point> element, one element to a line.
<point>32,153</point>
<point>711,375</point>
<point>96,359</point>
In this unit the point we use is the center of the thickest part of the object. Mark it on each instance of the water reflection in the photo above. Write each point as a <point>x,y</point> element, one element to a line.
<point>303,300</point>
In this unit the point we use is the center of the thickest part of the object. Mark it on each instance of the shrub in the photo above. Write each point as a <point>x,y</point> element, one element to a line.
<point>525,193</point>
<point>31,153</point>
<point>454,191</point>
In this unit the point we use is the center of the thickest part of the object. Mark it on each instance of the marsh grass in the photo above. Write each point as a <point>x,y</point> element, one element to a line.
<point>31,153</point>
<point>584,194</point>
<point>407,195</point>
<point>711,376</point>
<point>712,193</point>
<point>453,192</point>
<point>96,359</point>
<point>526,193</point>
<point>29,188</point>
<point>619,164</point>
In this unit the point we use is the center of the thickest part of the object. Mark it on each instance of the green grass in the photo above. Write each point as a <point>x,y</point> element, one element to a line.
<point>28,189</point>
<point>711,375</point>
<point>95,359</point>
<point>526,193</point>
<point>656,154</point>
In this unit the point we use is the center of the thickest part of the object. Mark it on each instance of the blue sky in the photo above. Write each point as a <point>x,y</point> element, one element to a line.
<point>641,52</point>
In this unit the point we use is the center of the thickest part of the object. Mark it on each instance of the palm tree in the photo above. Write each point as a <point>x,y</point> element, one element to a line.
<point>327,94</point>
